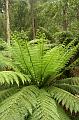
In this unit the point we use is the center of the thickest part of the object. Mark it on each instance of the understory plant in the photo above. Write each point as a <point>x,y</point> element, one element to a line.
<point>33,90</point>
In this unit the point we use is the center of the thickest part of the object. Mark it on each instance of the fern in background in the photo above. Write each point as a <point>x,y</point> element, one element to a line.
<point>31,91</point>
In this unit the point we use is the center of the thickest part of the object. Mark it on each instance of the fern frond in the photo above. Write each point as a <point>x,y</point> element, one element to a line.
<point>57,58</point>
<point>71,81</point>
<point>10,77</point>
<point>67,99</point>
<point>75,63</point>
<point>5,93</point>
<point>40,63</point>
<point>62,113</point>
<point>47,109</point>
<point>29,57</point>
<point>19,105</point>
<point>74,89</point>
<point>5,63</point>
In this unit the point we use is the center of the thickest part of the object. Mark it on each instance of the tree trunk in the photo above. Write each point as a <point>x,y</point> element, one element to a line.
<point>65,21</point>
<point>7,23</point>
<point>32,18</point>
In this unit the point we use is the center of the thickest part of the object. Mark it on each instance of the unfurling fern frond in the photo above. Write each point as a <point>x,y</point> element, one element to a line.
<point>20,105</point>
<point>11,77</point>
<point>67,99</point>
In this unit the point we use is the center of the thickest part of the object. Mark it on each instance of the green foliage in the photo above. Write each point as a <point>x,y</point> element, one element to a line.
<point>47,109</point>
<point>11,77</point>
<point>2,44</point>
<point>74,89</point>
<point>36,61</point>
<point>20,35</point>
<point>28,71</point>
<point>36,66</point>
<point>5,63</point>
<point>5,60</point>
<point>72,81</point>
<point>62,96</point>
<point>63,37</point>
<point>18,105</point>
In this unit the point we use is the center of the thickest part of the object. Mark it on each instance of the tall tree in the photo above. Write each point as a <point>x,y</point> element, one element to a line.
<point>32,18</point>
<point>7,22</point>
<point>65,21</point>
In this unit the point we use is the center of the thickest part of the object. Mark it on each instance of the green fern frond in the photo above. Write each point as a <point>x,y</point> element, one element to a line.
<point>5,63</point>
<point>47,109</point>
<point>71,81</point>
<point>32,59</point>
<point>5,93</point>
<point>67,99</point>
<point>10,77</point>
<point>74,89</point>
<point>29,57</point>
<point>19,105</point>
<point>62,114</point>
<point>57,58</point>
<point>75,63</point>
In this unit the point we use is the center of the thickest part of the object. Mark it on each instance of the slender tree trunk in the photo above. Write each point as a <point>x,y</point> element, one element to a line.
<point>65,21</point>
<point>7,23</point>
<point>3,25</point>
<point>33,19</point>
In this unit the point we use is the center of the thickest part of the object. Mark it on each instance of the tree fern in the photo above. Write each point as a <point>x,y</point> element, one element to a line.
<point>31,59</point>
<point>32,99</point>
